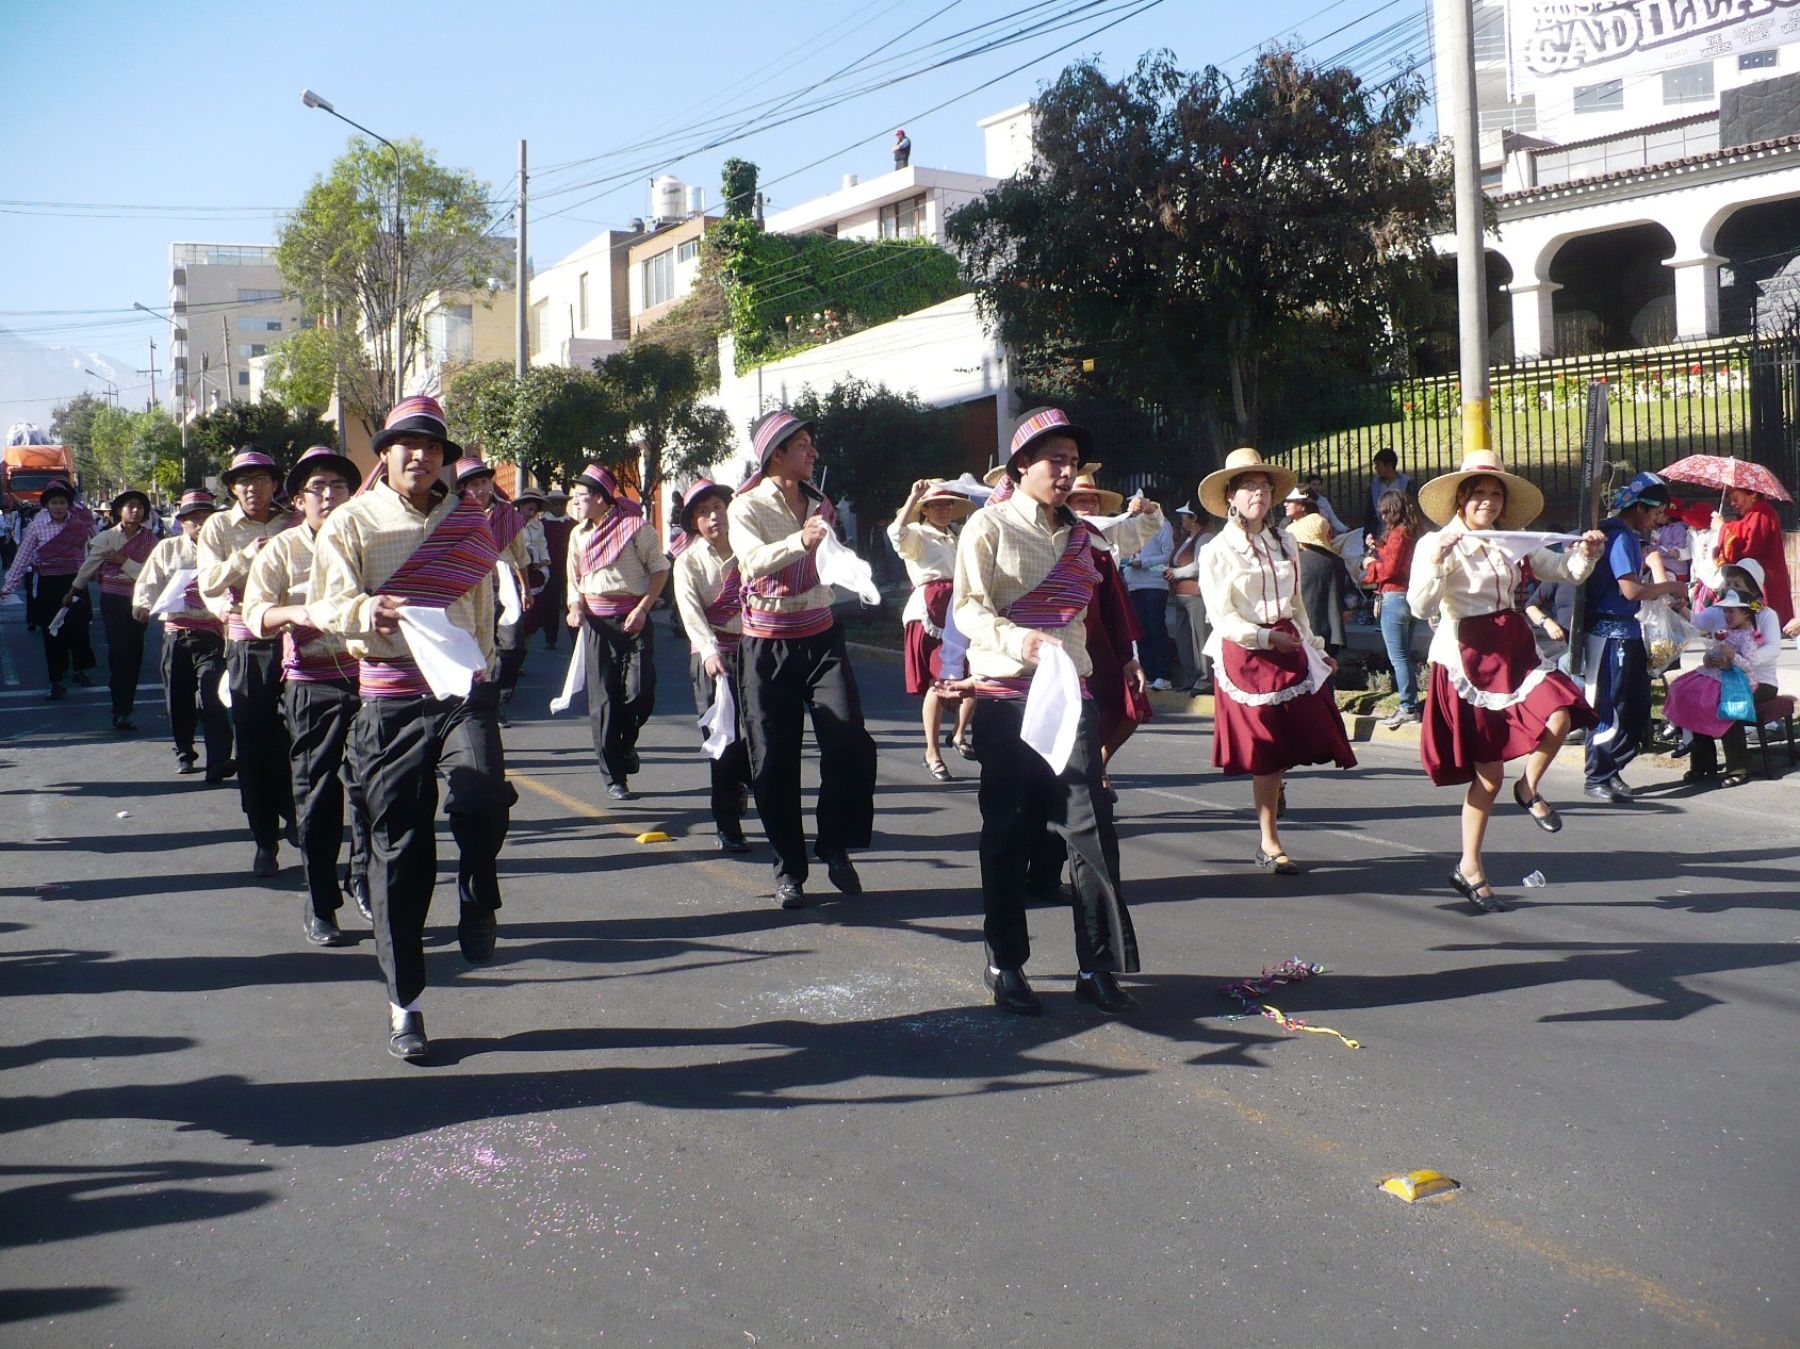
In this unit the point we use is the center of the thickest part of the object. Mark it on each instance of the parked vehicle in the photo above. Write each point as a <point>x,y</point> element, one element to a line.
<point>28,469</point>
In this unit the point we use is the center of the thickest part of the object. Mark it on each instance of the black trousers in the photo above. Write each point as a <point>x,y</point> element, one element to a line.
<point>512,657</point>
<point>398,746</point>
<point>731,770</point>
<point>1020,796</point>
<point>124,651</point>
<point>265,781</point>
<point>621,689</point>
<point>781,681</point>
<point>72,648</point>
<point>319,714</point>
<point>1621,675</point>
<point>192,663</point>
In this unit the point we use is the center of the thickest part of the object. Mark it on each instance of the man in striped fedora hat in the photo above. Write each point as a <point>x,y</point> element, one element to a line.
<point>193,646</point>
<point>319,694</point>
<point>408,541</point>
<point>228,543</point>
<point>1025,579</point>
<point>115,557</point>
<point>792,661</point>
<point>474,477</point>
<point>616,572</point>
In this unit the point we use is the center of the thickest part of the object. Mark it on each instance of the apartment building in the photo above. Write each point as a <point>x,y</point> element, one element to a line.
<point>229,306</point>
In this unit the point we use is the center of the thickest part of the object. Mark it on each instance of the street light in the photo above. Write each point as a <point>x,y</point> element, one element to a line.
<point>191,477</point>
<point>112,390</point>
<point>312,100</point>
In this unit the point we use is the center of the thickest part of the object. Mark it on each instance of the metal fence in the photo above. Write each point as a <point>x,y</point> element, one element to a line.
<point>1736,397</point>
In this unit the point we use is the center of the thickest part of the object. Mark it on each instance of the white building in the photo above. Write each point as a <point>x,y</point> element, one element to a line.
<point>1644,164</point>
<point>579,306</point>
<point>229,307</point>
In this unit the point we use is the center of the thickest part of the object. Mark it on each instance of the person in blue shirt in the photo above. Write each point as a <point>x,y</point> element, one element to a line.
<point>1618,671</point>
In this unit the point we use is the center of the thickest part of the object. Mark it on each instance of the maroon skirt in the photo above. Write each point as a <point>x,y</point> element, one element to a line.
<point>1499,658</point>
<point>1272,737</point>
<point>922,659</point>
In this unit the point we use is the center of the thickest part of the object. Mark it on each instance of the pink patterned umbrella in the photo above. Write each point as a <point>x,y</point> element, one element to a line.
<point>1719,472</point>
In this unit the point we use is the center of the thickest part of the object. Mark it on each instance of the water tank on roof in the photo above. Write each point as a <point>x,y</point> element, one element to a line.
<point>696,201</point>
<point>668,198</point>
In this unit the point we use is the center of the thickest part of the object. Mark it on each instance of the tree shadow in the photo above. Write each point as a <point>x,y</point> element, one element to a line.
<point>38,1304</point>
<point>151,1194</point>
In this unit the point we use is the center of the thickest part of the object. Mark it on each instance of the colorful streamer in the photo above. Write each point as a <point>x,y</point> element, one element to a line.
<point>1249,994</point>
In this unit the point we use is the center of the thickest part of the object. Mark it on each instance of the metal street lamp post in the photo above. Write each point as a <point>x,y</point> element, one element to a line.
<point>112,390</point>
<point>312,100</point>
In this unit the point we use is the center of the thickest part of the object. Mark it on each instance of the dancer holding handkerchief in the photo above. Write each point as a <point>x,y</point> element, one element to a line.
<point>193,646</point>
<point>407,543</point>
<point>1491,697</point>
<point>1272,709</point>
<point>1025,576</point>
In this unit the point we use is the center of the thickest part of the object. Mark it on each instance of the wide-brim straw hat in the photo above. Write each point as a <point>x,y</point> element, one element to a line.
<point>1110,501</point>
<point>1243,460</point>
<point>1524,502</point>
<point>941,495</point>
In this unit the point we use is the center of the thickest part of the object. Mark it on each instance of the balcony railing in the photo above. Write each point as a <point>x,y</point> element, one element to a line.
<point>1628,150</point>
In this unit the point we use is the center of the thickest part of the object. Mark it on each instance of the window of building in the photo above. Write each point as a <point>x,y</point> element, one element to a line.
<point>243,377</point>
<point>1606,97</point>
<point>450,334</point>
<point>252,325</point>
<point>903,219</point>
<point>687,251</point>
<point>1757,60</point>
<point>659,278</point>
<point>1490,33</point>
<point>248,349</point>
<point>1688,84</point>
<point>256,296</point>
<point>582,300</point>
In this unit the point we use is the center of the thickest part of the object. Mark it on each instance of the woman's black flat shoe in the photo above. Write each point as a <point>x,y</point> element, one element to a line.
<point>1550,822</point>
<point>937,769</point>
<point>1280,863</point>
<point>1488,903</point>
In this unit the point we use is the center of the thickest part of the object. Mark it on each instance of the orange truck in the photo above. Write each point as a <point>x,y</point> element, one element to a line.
<point>28,469</point>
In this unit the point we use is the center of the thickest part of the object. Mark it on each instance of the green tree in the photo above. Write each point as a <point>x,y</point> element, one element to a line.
<point>339,253</point>
<point>655,390</point>
<point>875,443</point>
<point>72,424</point>
<point>552,423</point>
<point>1178,230</point>
<point>270,427</point>
<point>303,369</point>
<point>738,184</point>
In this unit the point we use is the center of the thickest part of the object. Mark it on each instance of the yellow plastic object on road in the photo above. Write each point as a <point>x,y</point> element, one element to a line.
<point>1417,1185</point>
<point>653,836</point>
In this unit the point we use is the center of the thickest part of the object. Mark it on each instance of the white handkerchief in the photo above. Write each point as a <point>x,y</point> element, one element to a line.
<point>225,689</point>
<point>953,655</point>
<point>62,616</point>
<point>510,607</point>
<point>448,657</point>
<point>1316,668</point>
<point>576,679</point>
<point>1520,543</point>
<point>838,566</point>
<point>170,598</point>
<point>720,720</point>
<point>1053,707</point>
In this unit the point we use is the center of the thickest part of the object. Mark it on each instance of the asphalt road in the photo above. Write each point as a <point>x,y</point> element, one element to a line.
<point>670,1113</point>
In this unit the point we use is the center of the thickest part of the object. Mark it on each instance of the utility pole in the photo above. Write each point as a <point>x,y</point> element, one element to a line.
<point>225,339</point>
<point>522,355</point>
<point>1464,126</point>
<point>152,373</point>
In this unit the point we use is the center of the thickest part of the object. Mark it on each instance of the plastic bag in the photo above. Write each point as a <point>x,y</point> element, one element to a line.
<point>1665,633</point>
<point>1737,700</point>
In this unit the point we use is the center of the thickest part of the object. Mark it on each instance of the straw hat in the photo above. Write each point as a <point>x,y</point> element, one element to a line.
<point>1239,461</point>
<point>697,492</point>
<point>1524,502</point>
<point>1110,502</point>
<point>941,495</point>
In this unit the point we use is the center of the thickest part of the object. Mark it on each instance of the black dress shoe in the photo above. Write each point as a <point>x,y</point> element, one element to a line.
<point>475,932</point>
<point>215,774</point>
<point>124,725</point>
<point>292,833</point>
<point>358,889</point>
<point>186,765</point>
<point>57,691</point>
<point>841,872</point>
<point>1012,992</point>
<point>1102,990</point>
<point>406,1036</point>
<point>790,895</point>
<point>1620,787</point>
<point>264,864</point>
<point>730,842</point>
<point>633,764</point>
<point>320,931</point>
<point>1602,791</point>
<point>618,791</point>
<point>1488,903</point>
<point>80,677</point>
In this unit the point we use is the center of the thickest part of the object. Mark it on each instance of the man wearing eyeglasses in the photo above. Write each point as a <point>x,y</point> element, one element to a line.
<point>319,696</point>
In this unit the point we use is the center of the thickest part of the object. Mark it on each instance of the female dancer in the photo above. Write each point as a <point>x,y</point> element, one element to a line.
<point>1272,709</point>
<point>1490,698</point>
<point>921,536</point>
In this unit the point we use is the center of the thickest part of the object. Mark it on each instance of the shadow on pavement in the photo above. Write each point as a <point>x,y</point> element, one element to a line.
<point>36,1304</point>
<point>81,1206</point>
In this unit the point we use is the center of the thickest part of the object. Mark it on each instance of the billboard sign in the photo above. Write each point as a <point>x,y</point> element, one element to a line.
<point>1591,41</point>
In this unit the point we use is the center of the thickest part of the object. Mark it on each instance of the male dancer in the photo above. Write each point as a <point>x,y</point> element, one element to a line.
<point>554,600</point>
<point>1025,577</point>
<point>793,661</point>
<point>616,571</point>
<point>193,647</point>
<point>709,599</point>
<point>51,552</point>
<point>319,695</point>
<point>530,506</point>
<point>407,541</point>
<point>228,543</point>
<point>115,557</point>
<point>475,478</point>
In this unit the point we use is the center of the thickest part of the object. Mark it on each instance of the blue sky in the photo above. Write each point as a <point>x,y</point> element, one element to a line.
<point>196,108</point>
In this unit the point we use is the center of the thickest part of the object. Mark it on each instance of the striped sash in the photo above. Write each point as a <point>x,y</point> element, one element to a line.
<point>307,660</point>
<point>1066,591</point>
<point>64,551</point>
<point>235,630</point>
<point>505,520</point>
<point>457,557</point>
<point>390,679</point>
<point>113,580</point>
<point>603,546</point>
<point>609,606</point>
<point>796,578</point>
<point>726,606</point>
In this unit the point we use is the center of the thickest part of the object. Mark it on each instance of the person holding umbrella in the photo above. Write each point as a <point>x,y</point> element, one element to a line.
<point>1756,532</point>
